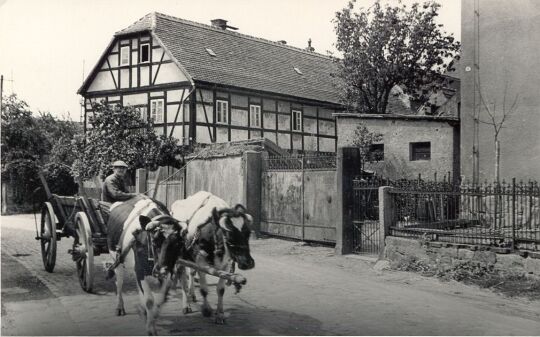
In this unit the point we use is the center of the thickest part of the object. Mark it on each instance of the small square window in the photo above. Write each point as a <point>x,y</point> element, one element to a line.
<point>124,56</point>
<point>376,152</point>
<point>255,115</point>
<point>297,120</point>
<point>145,53</point>
<point>420,151</point>
<point>222,112</point>
<point>156,110</point>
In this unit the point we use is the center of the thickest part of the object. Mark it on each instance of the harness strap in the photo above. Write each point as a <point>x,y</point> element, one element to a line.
<point>198,232</point>
<point>120,258</point>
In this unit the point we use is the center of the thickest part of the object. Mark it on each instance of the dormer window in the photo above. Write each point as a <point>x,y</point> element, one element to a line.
<point>145,53</point>
<point>124,56</point>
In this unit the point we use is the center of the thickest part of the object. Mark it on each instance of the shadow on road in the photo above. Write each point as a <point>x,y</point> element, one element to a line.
<point>242,321</point>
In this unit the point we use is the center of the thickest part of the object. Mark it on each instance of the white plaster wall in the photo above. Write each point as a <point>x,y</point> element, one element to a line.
<point>397,136</point>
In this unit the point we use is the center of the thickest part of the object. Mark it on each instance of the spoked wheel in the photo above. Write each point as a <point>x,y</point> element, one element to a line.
<point>83,252</point>
<point>48,237</point>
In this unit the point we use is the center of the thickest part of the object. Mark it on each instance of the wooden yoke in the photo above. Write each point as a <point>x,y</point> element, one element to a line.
<point>237,279</point>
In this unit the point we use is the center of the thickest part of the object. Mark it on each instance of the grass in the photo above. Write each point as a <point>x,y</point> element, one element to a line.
<point>474,273</point>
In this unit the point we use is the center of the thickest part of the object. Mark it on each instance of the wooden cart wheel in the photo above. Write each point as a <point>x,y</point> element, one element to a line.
<point>48,237</point>
<point>83,252</point>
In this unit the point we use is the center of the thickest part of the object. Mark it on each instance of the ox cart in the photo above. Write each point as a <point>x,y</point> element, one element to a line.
<point>81,217</point>
<point>75,216</point>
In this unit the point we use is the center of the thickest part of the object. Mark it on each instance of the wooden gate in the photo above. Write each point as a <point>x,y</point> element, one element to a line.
<point>171,184</point>
<point>298,197</point>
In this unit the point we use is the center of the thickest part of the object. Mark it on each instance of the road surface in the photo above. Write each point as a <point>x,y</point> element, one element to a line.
<point>294,290</point>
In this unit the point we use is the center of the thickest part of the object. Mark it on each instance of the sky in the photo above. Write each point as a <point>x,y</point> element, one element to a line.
<point>47,46</point>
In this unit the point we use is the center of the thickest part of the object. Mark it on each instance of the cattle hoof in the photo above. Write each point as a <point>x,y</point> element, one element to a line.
<point>220,319</point>
<point>187,311</point>
<point>206,311</point>
<point>142,311</point>
<point>120,312</point>
<point>109,275</point>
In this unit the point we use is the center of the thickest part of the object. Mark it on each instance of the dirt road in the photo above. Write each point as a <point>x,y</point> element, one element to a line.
<point>293,290</point>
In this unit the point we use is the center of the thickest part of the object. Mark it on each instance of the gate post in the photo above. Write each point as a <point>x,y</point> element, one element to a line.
<point>348,165</point>
<point>386,216</point>
<point>140,181</point>
<point>252,187</point>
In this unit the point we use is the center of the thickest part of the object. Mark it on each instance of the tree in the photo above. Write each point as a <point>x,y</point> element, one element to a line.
<point>29,144</point>
<point>21,134</point>
<point>363,139</point>
<point>497,116</point>
<point>119,133</point>
<point>387,46</point>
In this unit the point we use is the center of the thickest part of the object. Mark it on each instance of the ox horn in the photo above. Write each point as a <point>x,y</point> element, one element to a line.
<point>152,225</point>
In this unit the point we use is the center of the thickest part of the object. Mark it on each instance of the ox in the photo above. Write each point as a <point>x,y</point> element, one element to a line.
<point>128,244</point>
<point>216,235</point>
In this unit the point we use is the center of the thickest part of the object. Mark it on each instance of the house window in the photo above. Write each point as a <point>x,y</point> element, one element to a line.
<point>376,152</point>
<point>145,53</point>
<point>420,151</point>
<point>255,115</point>
<point>124,56</point>
<point>156,110</point>
<point>297,120</point>
<point>222,112</point>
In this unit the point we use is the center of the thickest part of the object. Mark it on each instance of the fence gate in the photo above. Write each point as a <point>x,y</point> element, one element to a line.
<point>366,229</point>
<point>298,197</point>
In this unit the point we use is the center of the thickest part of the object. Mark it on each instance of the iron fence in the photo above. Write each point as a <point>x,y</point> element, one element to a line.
<point>505,215</point>
<point>366,229</point>
<point>301,162</point>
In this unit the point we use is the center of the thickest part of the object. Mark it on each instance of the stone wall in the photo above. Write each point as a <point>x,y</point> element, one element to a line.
<point>398,250</point>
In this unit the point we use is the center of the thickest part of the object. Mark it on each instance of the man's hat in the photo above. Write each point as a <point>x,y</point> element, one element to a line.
<point>119,163</point>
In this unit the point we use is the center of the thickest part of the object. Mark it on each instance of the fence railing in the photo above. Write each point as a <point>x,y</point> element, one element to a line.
<point>301,162</point>
<point>505,215</point>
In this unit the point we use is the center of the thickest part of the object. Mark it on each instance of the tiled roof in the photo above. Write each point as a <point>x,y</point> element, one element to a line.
<point>241,60</point>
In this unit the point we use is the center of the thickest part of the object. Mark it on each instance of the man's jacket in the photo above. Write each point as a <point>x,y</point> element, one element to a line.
<point>114,189</point>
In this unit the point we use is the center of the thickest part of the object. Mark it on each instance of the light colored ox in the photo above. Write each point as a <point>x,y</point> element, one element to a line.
<point>218,236</point>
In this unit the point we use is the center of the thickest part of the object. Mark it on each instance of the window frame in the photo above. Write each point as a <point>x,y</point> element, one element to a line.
<point>156,101</point>
<point>141,53</point>
<point>253,112</point>
<point>219,111</point>
<point>128,53</point>
<point>414,155</point>
<point>297,120</point>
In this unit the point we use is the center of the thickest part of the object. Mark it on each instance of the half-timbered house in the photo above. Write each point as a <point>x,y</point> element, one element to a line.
<point>206,83</point>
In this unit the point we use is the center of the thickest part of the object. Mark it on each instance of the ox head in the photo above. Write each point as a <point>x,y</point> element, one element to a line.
<point>236,224</point>
<point>166,240</point>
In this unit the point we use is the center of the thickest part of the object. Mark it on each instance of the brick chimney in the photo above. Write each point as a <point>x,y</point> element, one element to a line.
<point>221,24</point>
<point>309,47</point>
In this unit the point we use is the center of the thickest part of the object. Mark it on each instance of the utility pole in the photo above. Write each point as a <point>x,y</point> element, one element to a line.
<point>1,91</point>
<point>476,102</point>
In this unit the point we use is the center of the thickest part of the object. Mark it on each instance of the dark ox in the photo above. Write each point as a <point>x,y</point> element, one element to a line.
<point>128,243</point>
<point>216,235</point>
